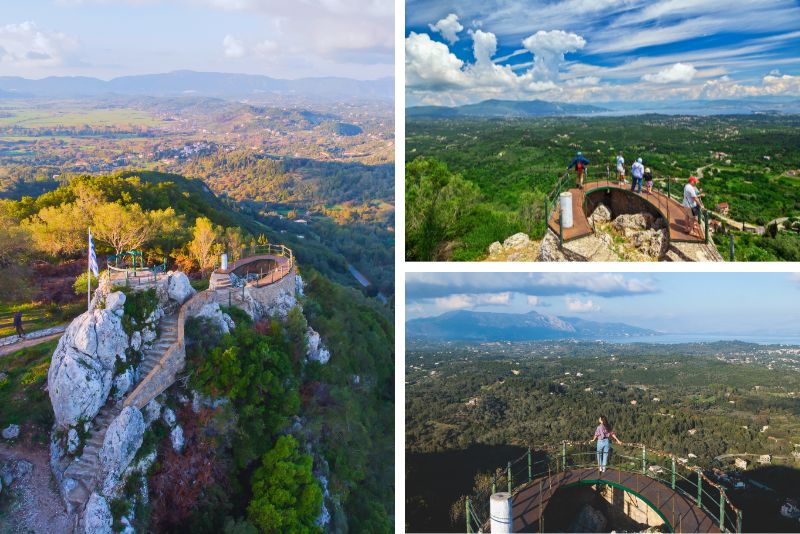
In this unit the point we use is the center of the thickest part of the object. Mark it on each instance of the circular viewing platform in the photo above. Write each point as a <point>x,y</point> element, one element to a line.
<point>612,194</point>
<point>258,267</point>
<point>644,487</point>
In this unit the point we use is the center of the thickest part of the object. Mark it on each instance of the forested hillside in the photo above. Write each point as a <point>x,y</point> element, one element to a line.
<point>488,178</point>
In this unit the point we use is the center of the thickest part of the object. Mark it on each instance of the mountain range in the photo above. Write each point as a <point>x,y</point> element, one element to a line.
<point>503,108</point>
<point>212,84</point>
<point>465,325</point>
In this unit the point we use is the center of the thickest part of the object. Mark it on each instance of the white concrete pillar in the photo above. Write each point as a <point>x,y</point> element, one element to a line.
<point>224,262</point>
<point>566,209</point>
<point>500,512</point>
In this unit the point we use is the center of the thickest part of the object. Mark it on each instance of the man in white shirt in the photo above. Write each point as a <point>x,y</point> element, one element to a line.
<point>691,201</point>
<point>620,169</point>
<point>637,172</point>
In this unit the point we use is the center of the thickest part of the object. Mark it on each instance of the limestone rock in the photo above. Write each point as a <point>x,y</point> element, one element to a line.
<point>495,248</point>
<point>169,417</point>
<point>73,440</point>
<point>316,350</point>
<point>136,340</point>
<point>549,249</point>
<point>176,437</point>
<point>179,288</point>
<point>282,304</point>
<point>115,302</point>
<point>601,214</point>
<point>97,518</point>
<point>123,438</point>
<point>635,221</point>
<point>299,285</point>
<point>123,383</point>
<point>152,411</point>
<point>517,240</point>
<point>11,432</point>
<point>213,312</point>
<point>589,520</point>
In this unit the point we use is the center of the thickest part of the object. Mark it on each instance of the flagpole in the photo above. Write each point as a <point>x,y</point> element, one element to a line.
<point>89,274</point>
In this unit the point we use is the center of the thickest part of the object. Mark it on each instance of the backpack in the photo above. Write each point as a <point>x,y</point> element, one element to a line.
<point>579,166</point>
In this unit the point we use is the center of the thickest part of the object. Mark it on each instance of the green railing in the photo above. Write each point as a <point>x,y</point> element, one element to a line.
<point>133,275</point>
<point>689,481</point>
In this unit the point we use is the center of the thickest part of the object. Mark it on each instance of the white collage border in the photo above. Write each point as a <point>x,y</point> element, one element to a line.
<point>402,267</point>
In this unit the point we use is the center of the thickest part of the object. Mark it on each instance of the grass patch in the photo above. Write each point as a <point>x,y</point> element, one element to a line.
<point>37,315</point>
<point>201,284</point>
<point>22,396</point>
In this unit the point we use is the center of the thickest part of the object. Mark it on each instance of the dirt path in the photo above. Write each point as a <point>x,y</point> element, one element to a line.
<point>36,505</point>
<point>8,349</point>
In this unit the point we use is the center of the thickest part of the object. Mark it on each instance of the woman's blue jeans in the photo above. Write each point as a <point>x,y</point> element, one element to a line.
<point>603,447</point>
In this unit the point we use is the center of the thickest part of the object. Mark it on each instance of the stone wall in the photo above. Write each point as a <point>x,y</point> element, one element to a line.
<point>630,505</point>
<point>618,202</point>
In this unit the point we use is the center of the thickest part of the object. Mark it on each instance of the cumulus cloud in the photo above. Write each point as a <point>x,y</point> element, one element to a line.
<point>448,27</point>
<point>533,300</point>
<point>27,45</point>
<point>233,47</point>
<point>432,69</point>
<point>548,49</point>
<point>726,87</point>
<point>677,73</point>
<point>577,305</point>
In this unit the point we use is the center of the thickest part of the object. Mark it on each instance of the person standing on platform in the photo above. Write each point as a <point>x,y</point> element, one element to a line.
<point>580,163</point>
<point>620,169</point>
<point>637,173</point>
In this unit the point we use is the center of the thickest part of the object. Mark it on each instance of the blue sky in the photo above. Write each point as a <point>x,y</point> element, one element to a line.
<point>109,38</point>
<point>730,303</point>
<point>461,51</point>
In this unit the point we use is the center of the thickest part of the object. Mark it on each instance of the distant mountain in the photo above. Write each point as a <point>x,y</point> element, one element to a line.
<point>486,326</point>
<point>213,84</point>
<point>504,108</point>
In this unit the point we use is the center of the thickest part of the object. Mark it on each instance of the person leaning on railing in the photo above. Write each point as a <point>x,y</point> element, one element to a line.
<point>691,200</point>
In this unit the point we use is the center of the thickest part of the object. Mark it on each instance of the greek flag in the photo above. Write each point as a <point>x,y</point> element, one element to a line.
<point>92,255</point>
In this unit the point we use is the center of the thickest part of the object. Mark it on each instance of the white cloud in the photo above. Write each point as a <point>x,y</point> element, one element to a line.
<point>25,45</point>
<point>548,49</point>
<point>266,47</point>
<point>435,75</point>
<point>234,48</point>
<point>533,300</point>
<point>677,73</point>
<point>463,301</point>
<point>577,305</point>
<point>725,87</point>
<point>430,64</point>
<point>448,27</point>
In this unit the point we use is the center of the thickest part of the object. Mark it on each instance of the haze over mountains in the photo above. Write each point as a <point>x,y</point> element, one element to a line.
<point>541,108</point>
<point>211,84</point>
<point>465,325</point>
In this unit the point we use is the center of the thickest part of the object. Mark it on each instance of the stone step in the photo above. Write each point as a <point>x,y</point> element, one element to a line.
<point>79,495</point>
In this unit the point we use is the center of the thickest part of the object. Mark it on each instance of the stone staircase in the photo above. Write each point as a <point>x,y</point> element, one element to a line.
<point>84,470</point>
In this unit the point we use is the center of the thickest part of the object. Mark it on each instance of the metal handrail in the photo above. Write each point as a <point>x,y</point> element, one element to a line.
<point>520,472</point>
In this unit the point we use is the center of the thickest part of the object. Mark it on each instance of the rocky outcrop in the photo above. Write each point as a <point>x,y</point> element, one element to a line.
<point>174,288</point>
<point>98,518</point>
<point>11,432</point>
<point>518,247</point>
<point>316,350</point>
<point>212,312</point>
<point>82,368</point>
<point>123,438</point>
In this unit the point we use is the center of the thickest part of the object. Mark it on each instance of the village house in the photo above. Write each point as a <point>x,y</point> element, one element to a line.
<point>741,463</point>
<point>723,208</point>
<point>765,459</point>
